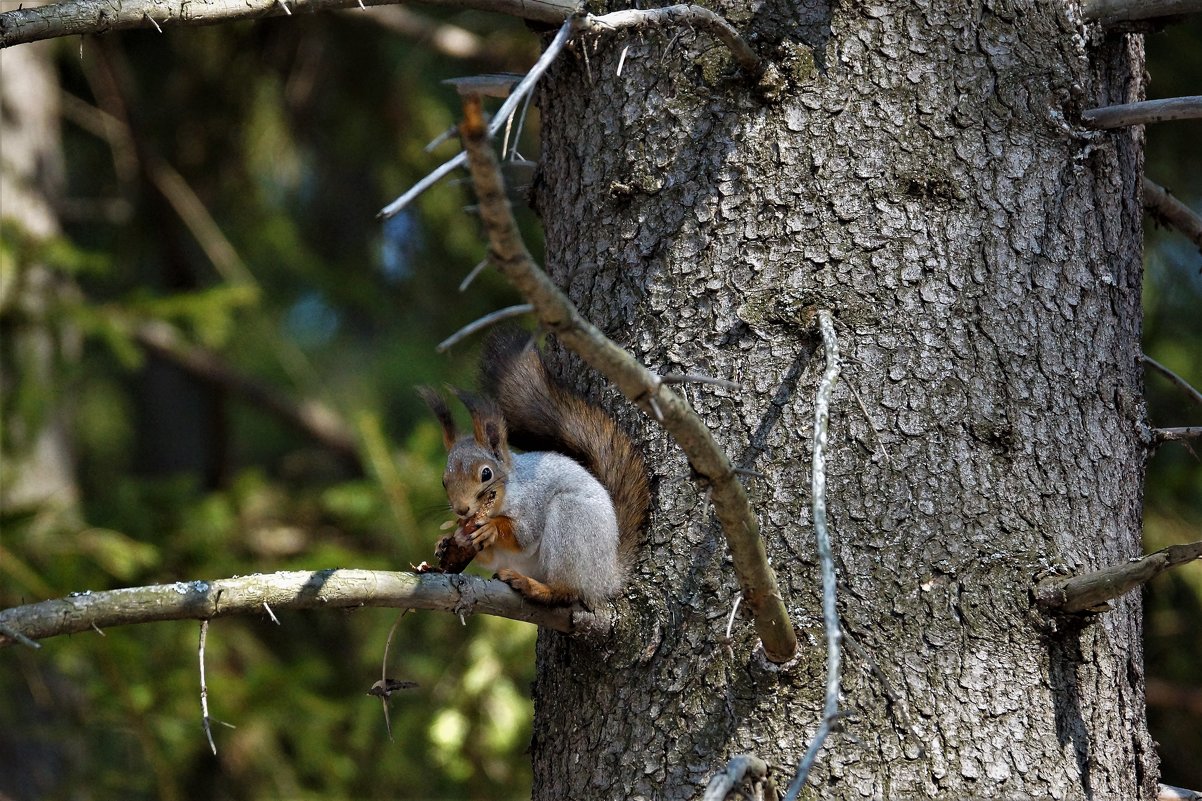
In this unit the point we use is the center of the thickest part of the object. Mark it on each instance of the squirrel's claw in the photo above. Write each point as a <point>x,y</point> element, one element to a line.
<point>485,535</point>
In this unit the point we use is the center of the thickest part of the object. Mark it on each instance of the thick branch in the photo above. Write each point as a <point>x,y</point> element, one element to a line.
<point>1109,12</point>
<point>79,17</point>
<point>1167,209</point>
<point>1091,591</point>
<point>311,418</point>
<point>321,589</point>
<point>1147,111</point>
<point>558,314</point>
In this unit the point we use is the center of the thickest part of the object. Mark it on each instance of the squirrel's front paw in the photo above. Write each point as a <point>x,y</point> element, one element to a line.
<point>483,536</point>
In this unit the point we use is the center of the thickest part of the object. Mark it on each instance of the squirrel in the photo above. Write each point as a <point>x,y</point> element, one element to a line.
<point>559,522</point>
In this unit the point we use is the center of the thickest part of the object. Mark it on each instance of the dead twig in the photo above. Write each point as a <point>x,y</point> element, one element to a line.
<point>1144,112</point>
<point>1170,211</point>
<point>484,322</point>
<point>1091,592</point>
<point>830,612</point>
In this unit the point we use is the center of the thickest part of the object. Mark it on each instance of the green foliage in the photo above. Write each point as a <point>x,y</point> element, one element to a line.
<point>289,135</point>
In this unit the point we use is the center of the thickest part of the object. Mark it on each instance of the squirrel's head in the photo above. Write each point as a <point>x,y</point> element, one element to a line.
<point>477,464</point>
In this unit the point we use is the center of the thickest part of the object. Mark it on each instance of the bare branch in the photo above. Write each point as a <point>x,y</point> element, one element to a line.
<point>691,16</point>
<point>319,589</point>
<point>559,316</point>
<point>467,279</point>
<point>17,636</point>
<point>524,87</point>
<point>1176,434</point>
<point>1147,111</point>
<point>204,690</point>
<point>311,418</point>
<point>744,767</point>
<point>830,612</point>
<point>79,17</point>
<point>484,322</point>
<point>1108,12</point>
<point>1091,591</point>
<point>441,37</point>
<point>1168,210</point>
<point>695,378</point>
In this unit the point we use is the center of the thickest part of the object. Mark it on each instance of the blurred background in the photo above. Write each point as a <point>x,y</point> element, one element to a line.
<point>210,369</point>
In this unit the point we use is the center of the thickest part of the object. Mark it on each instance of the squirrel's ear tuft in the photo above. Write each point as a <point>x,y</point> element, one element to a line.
<point>494,434</point>
<point>441,411</point>
<point>488,426</point>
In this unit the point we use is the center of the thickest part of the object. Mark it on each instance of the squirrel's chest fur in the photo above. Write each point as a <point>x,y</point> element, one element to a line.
<point>557,524</point>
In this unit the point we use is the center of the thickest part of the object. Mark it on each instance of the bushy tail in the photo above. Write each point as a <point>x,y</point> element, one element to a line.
<point>544,415</point>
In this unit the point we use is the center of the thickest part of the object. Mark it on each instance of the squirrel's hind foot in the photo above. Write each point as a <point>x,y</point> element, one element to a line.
<point>534,590</point>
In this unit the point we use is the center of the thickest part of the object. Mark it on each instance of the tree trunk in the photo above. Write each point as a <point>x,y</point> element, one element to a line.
<point>982,256</point>
<point>36,468</point>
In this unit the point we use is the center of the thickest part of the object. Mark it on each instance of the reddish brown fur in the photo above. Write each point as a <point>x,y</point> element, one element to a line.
<point>542,414</point>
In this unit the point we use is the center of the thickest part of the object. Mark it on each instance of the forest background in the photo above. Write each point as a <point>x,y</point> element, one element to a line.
<point>283,138</point>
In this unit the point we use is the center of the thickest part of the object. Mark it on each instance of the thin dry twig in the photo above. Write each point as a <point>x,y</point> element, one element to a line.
<point>696,378</point>
<point>830,613</point>
<point>384,694</point>
<point>1181,383</point>
<point>559,316</point>
<point>204,690</point>
<point>467,279</point>
<point>525,86</point>
<point>499,315</point>
<point>441,37</point>
<point>1161,204</point>
<point>311,418</point>
<point>1091,592</point>
<point>686,16</point>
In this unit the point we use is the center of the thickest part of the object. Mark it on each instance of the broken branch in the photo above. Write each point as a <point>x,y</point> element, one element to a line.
<point>1090,592</point>
<point>1167,209</point>
<point>1179,434</point>
<point>1143,113</point>
<point>743,767</point>
<point>1108,12</point>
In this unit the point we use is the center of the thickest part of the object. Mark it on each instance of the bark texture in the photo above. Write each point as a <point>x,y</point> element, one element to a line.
<point>925,177</point>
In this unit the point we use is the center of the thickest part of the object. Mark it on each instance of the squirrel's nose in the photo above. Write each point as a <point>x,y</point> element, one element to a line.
<point>462,511</point>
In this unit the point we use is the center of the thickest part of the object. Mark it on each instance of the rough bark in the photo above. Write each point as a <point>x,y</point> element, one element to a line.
<point>929,183</point>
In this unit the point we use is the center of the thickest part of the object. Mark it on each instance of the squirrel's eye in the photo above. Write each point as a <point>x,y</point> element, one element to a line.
<point>486,474</point>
